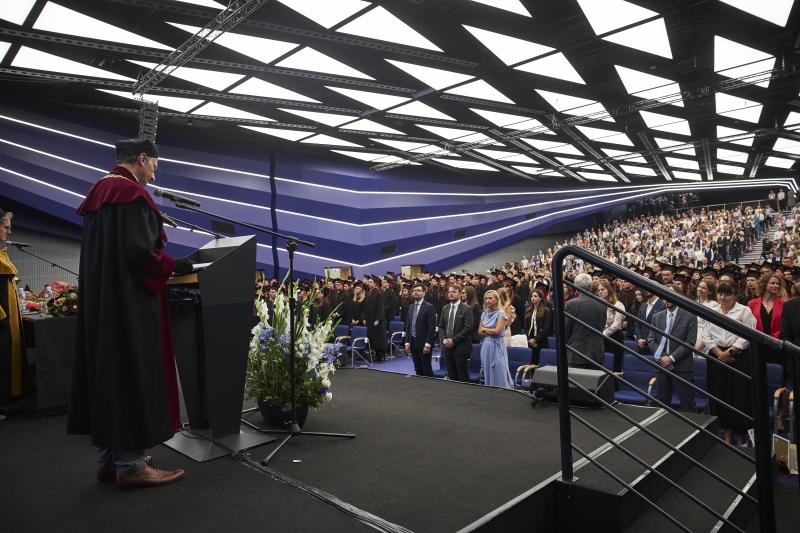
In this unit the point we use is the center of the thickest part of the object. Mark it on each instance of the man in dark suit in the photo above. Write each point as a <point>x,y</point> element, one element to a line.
<point>673,357</point>
<point>455,328</point>
<point>581,339</point>
<point>420,331</point>
<point>652,305</point>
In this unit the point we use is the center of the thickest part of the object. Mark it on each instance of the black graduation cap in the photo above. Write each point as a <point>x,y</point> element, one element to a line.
<point>134,147</point>
<point>768,265</point>
<point>648,270</point>
<point>390,273</point>
<point>603,274</point>
<point>510,281</point>
<point>733,266</point>
<point>685,271</point>
<point>796,271</point>
<point>753,273</point>
<point>357,283</point>
<point>682,278</point>
<point>669,267</point>
<point>727,271</point>
<point>711,271</point>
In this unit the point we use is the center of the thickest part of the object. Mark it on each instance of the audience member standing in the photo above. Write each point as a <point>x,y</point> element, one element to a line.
<point>391,302</point>
<point>707,296</point>
<point>472,302</point>
<point>538,324</point>
<point>581,339</point>
<point>649,307</point>
<point>455,327</point>
<point>342,302</point>
<point>357,308</point>
<point>509,310</point>
<point>420,331</point>
<point>613,327</point>
<point>494,357</point>
<point>375,318</point>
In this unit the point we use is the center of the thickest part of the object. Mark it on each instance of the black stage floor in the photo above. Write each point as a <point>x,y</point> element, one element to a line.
<point>430,456</point>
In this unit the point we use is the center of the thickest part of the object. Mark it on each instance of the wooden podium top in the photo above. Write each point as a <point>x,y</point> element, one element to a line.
<point>185,279</point>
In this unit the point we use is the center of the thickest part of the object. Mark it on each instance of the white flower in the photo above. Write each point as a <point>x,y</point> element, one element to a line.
<point>328,396</point>
<point>326,382</point>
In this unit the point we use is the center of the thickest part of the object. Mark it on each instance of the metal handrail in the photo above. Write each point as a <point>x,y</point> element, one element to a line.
<point>763,458</point>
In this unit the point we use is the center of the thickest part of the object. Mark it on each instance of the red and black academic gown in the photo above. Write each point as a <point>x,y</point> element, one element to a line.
<point>124,382</point>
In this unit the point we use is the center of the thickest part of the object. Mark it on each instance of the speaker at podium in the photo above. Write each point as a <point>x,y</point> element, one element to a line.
<point>211,311</point>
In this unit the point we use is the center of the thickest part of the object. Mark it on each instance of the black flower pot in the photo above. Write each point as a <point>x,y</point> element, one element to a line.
<point>274,414</point>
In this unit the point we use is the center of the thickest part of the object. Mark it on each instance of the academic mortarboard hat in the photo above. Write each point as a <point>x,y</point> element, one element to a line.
<point>669,267</point>
<point>733,266</point>
<point>767,264</point>
<point>134,147</point>
<point>682,278</point>
<point>778,268</point>
<point>648,270</point>
<point>753,273</point>
<point>685,271</point>
<point>711,271</point>
<point>603,274</point>
<point>796,271</point>
<point>357,284</point>
<point>510,281</point>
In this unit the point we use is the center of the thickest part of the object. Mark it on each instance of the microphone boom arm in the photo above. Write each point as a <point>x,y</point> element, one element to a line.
<point>56,265</point>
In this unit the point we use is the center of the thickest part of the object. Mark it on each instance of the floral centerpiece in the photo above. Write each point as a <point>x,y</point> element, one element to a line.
<point>64,304</point>
<point>269,363</point>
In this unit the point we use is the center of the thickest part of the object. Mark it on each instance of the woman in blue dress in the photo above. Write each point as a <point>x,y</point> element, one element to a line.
<point>494,357</point>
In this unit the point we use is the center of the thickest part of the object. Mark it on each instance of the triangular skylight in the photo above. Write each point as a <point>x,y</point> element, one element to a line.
<point>732,155</point>
<point>216,80</point>
<point>437,78</point>
<point>619,153</point>
<point>668,143</point>
<point>58,19</point>
<point>204,3</point>
<point>408,146</point>
<point>605,136</point>
<point>512,122</point>
<point>326,13</point>
<point>597,177</point>
<point>585,164</point>
<point>367,156</point>
<point>419,109</point>
<point>730,169</point>
<point>734,60</point>
<point>787,146</point>
<point>515,6</point>
<point>573,105</point>
<point>460,163</point>
<point>291,135</point>
<point>260,49</point>
<point>775,11</point>
<point>311,60</point>
<point>651,38</point>
<point>648,86</point>
<point>682,163</point>
<point>369,125</point>
<point>666,123</point>
<point>182,105</point>
<point>453,134</point>
<point>533,171</point>
<point>329,119</point>
<point>510,50</point>
<point>723,131</point>
<point>4,49</point>
<point>792,120</point>
<point>265,89</point>
<point>36,60</point>
<point>553,66</point>
<point>638,171</point>
<point>328,140</point>
<point>482,90</point>
<point>779,162</point>
<point>214,109</point>
<point>553,146</point>
<point>507,156</point>
<point>373,100</point>
<point>381,25</point>
<point>609,15</point>
<point>738,108</point>
<point>682,175</point>
<point>16,11</point>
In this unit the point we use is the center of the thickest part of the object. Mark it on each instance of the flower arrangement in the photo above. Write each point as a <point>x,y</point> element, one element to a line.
<point>269,365</point>
<point>65,304</point>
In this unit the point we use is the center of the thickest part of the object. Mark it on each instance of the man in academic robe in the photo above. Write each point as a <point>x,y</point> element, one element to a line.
<point>375,317</point>
<point>124,389</point>
<point>391,302</point>
<point>341,303</point>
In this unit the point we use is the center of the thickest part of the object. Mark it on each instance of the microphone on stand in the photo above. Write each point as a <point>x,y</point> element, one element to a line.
<point>174,198</point>
<point>169,221</point>
<point>18,244</point>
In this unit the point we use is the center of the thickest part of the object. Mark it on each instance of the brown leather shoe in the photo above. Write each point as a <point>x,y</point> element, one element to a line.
<point>104,475</point>
<point>149,477</point>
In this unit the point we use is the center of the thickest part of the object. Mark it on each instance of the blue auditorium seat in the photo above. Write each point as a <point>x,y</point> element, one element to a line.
<point>396,337</point>
<point>359,345</point>
<point>441,372</point>
<point>518,357</point>
<point>475,364</point>
<point>639,374</point>
<point>547,357</point>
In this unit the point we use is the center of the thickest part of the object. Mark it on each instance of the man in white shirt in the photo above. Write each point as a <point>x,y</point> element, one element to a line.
<point>781,200</point>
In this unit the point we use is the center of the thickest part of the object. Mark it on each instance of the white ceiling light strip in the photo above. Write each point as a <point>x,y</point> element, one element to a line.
<point>682,163</point>
<point>792,120</point>
<point>291,135</point>
<point>219,81</point>
<point>553,146</point>
<point>775,11</point>
<point>573,105</point>
<point>329,119</point>
<point>499,155</point>
<point>585,165</point>
<point>419,109</point>
<point>373,100</point>
<point>730,169</point>
<point>381,25</point>
<point>787,146</point>
<point>481,90</point>
<point>313,61</point>
<point>648,86</point>
<point>204,3</point>
<point>15,11</point>
<point>453,134</point>
<point>369,125</point>
<point>610,15</point>
<point>738,108</point>
<point>460,163</point>
<point>214,109</point>
<point>408,146</point>
<point>182,105</point>
<point>514,6</point>
<point>605,136</point>
<point>779,162</point>
<point>4,49</point>
<point>724,131</point>
<point>691,176</point>
<point>639,171</point>
<point>28,58</point>
<point>328,140</point>
<point>58,19</point>
<point>553,66</point>
<point>666,144</point>
<point>656,121</point>
<point>597,177</point>
<point>373,158</point>
<point>509,50</point>
<point>512,122</point>
<point>627,155</point>
<point>732,155</point>
<point>433,77</point>
<point>258,48</point>
<point>734,60</point>
<point>650,37</point>
<point>265,89</point>
<point>326,13</point>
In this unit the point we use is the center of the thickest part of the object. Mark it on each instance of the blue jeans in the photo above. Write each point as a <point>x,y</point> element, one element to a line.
<point>128,462</point>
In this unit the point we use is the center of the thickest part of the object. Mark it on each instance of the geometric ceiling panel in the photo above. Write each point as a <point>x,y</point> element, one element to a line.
<point>260,49</point>
<point>433,77</point>
<point>205,3</point>
<point>787,146</point>
<point>573,105</point>
<point>605,136</point>
<point>691,176</point>
<point>311,60</point>
<point>586,165</point>
<point>480,89</point>
<point>738,108</point>
<point>724,131</point>
<point>554,66</point>
<point>58,19</point>
<point>512,122</point>
<point>734,60</point>
<point>219,81</point>
<point>730,169</point>
<point>453,134</point>
<point>619,153</point>
<point>408,146</point>
<point>181,105</point>
<point>792,120</point>
<point>374,100</point>
<point>779,162</point>
<point>326,13</point>
<point>639,171</point>
<point>732,155</point>
<point>648,86</point>
<point>265,89</point>
<point>369,125</point>
<point>510,50</point>
<point>666,123</point>
<point>36,60</point>
<point>460,163</point>
<point>682,163</point>
<point>15,11</point>
<point>610,15</point>
<point>775,11</point>
<point>4,49</point>
<point>507,156</point>
<point>420,109</point>
<point>514,6</point>
<point>668,143</point>
<point>381,25</point>
<point>597,177</point>
<point>329,119</point>
<point>367,156</point>
<point>214,109</point>
<point>650,37</point>
<point>291,135</point>
<point>328,140</point>
<point>553,146</point>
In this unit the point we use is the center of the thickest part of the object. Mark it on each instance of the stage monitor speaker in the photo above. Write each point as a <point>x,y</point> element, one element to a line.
<point>545,384</point>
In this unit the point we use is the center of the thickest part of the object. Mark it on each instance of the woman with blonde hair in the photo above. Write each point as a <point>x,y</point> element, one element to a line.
<point>506,301</point>
<point>613,329</point>
<point>494,357</point>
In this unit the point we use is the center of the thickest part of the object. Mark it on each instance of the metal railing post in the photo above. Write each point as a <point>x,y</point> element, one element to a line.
<point>563,377</point>
<point>763,446</point>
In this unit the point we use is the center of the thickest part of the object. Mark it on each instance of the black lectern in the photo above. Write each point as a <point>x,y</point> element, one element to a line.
<point>211,321</point>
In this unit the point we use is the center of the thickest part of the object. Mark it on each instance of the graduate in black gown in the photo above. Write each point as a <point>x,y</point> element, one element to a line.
<point>375,318</point>
<point>390,300</point>
<point>320,310</point>
<point>357,305</point>
<point>341,303</point>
